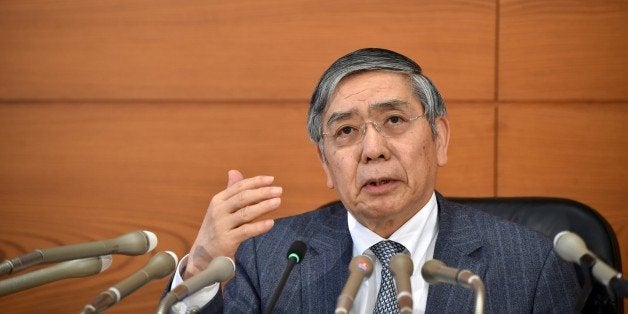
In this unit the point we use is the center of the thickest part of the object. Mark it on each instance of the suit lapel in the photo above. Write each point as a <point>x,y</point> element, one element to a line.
<point>458,245</point>
<point>325,269</point>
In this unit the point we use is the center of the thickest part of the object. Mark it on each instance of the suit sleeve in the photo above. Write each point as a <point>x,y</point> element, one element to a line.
<point>241,294</point>
<point>557,288</point>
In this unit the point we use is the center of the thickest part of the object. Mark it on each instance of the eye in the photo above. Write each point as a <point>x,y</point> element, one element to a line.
<point>395,120</point>
<point>345,131</point>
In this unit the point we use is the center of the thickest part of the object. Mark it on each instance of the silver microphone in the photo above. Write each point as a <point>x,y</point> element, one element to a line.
<point>219,269</point>
<point>134,243</point>
<point>401,266</point>
<point>71,269</point>
<point>360,268</point>
<point>570,247</point>
<point>435,272</point>
<point>159,266</point>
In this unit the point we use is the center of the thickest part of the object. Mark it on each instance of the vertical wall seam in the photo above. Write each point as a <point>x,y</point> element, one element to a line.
<point>496,104</point>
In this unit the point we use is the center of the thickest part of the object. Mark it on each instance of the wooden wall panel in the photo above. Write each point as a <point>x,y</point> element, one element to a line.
<point>231,50</point>
<point>470,167</point>
<point>556,50</point>
<point>577,151</point>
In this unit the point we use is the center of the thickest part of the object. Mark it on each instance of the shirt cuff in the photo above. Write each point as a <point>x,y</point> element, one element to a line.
<point>196,300</point>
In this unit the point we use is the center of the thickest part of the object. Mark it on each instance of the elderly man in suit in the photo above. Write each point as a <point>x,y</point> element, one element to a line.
<point>382,132</point>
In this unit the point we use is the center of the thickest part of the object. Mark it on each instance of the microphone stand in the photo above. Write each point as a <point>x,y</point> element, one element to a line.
<point>282,282</point>
<point>620,286</point>
<point>586,264</point>
<point>480,293</point>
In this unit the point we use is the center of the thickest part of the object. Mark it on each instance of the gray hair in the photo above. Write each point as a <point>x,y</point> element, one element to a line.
<point>372,59</point>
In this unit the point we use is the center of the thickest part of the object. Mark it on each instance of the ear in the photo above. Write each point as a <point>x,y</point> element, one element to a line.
<point>330,182</point>
<point>442,140</point>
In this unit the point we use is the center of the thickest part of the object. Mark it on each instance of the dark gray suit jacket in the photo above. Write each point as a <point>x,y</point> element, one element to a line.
<point>521,272</point>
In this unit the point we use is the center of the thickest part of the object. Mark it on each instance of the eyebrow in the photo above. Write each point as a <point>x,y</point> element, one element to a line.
<point>341,115</point>
<point>394,104</point>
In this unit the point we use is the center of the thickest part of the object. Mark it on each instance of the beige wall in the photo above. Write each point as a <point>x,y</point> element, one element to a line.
<point>125,115</point>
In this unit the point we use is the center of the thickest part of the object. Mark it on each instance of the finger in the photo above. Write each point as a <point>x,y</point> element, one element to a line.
<point>245,184</point>
<point>233,177</point>
<point>253,229</point>
<point>252,212</point>
<point>252,197</point>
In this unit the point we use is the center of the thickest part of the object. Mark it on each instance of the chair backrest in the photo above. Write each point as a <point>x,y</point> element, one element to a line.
<point>552,215</point>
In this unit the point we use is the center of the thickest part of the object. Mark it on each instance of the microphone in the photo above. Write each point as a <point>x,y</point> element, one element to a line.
<point>219,269</point>
<point>134,243</point>
<point>71,269</point>
<point>401,266</point>
<point>360,268</point>
<point>570,247</point>
<point>159,266</point>
<point>295,255</point>
<point>435,272</point>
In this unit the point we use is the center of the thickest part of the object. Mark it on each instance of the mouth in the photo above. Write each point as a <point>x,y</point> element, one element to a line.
<point>377,182</point>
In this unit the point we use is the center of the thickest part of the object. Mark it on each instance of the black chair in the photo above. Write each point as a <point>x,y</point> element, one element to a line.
<point>552,215</point>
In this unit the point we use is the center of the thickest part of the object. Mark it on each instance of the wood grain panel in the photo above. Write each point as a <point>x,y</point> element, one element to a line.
<point>577,151</point>
<point>72,173</point>
<point>231,50</point>
<point>563,50</point>
<point>470,167</point>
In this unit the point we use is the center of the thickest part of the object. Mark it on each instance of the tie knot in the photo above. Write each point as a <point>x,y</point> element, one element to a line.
<point>384,250</point>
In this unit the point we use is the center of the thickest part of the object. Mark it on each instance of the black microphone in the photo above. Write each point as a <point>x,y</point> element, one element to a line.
<point>71,269</point>
<point>159,266</point>
<point>435,272</point>
<point>295,255</point>
<point>570,247</point>
<point>360,268</point>
<point>134,243</point>
<point>218,270</point>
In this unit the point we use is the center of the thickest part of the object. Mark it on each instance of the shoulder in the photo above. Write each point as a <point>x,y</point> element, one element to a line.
<point>497,235</point>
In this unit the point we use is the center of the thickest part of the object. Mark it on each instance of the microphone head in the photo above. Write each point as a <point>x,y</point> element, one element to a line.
<point>401,263</point>
<point>133,243</point>
<point>105,261</point>
<point>84,266</point>
<point>570,247</point>
<point>152,241</point>
<point>297,251</point>
<point>223,266</point>
<point>363,264</point>
<point>162,264</point>
<point>430,269</point>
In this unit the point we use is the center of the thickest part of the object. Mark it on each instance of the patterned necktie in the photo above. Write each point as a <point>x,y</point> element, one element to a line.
<point>387,296</point>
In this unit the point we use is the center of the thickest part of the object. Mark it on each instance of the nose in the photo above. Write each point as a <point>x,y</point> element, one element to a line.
<point>374,144</point>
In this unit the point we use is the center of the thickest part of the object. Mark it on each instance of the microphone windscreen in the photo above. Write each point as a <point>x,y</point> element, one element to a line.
<point>363,264</point>
<point>297,251</point>
<point>105,261</point>
<point>152,240</point>
<point>401,263</point>
<point>569,246</point>
<point>430,270</point>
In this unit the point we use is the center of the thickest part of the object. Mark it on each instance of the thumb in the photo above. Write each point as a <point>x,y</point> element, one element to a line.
<point>233,177</point>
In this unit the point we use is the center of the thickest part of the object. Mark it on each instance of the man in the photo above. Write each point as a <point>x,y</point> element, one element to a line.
<point>382,132</point>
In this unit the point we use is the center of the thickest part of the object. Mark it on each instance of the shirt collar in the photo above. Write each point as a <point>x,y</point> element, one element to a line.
<point>409,234</point>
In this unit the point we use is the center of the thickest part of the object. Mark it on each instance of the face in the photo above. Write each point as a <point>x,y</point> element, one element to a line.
<point>383,181</point>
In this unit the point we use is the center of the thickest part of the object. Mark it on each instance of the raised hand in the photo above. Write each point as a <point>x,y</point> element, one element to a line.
<point>228,220</point>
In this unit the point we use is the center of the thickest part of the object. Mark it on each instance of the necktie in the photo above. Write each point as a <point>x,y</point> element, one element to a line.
<point>387,296</point>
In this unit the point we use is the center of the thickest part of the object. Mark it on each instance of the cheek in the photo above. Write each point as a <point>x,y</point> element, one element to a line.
<point>418,162</point>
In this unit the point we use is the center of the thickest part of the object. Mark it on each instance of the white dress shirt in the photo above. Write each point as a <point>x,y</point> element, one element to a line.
<point>418,235</point>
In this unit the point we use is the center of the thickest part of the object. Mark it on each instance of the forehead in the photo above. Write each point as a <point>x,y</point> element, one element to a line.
<point>359,92</point>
